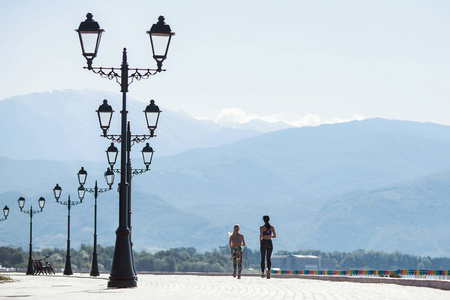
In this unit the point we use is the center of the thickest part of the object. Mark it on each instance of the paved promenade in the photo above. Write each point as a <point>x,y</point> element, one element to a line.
<point>186,287</point>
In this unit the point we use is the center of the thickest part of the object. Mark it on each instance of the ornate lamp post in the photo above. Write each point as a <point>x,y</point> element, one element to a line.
<point>31,212</point>
<point>122,272</point>
<point>57,193</point>
<point>5,213</point>
<point>147,155</point>
<point>109,176</point>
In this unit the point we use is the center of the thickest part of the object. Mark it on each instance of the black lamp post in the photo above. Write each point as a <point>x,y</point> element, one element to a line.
<point>5,213</point>
<point>122,272</point>
<point>57,193</point>
<point>31,212</point>
<point>109,176</point>
<point>147,155</point>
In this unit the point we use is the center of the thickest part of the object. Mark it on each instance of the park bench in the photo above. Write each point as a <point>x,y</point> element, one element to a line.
<point>39,268</point>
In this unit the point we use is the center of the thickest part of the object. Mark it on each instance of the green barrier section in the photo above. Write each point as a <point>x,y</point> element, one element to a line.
<point>401,272</point>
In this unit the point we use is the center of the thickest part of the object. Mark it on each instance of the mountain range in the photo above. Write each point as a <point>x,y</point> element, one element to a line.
<point>63,125</point>
<point>373,184</point>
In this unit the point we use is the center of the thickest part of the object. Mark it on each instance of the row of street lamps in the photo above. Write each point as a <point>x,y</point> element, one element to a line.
<point>57,190</point>
<point>112,152</point>
<point>123,274</point>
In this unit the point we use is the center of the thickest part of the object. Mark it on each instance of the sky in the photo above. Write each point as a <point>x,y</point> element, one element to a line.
<point>303,62</point>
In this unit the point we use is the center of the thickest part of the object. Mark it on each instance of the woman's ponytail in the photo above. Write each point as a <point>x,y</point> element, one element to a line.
<point>266,220</point>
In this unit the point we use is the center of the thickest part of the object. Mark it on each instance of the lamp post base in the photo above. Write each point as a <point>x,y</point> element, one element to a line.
<point>122,282</point>
<point>122,274</point>
<point>30,269</point>
<point>68,267</point>
<point>94,269</point>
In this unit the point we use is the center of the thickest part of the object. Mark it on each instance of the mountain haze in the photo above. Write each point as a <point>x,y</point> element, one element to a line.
<point>411,217</point>
<point>292,174</point>
<point>63,125</point>
<point>373,184</point>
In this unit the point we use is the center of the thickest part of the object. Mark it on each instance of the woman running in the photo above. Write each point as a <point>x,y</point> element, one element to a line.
<point>266,234</point>
<point>236,242</point>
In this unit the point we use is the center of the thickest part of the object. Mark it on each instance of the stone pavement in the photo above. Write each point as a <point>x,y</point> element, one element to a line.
<point>186,287</point>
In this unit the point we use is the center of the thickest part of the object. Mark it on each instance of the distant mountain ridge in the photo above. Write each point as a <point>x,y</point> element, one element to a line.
<point>411,217</point>
<point>292,174</point>
<point>348,153</point>
<point>372,184</point>
<point>63,125</point>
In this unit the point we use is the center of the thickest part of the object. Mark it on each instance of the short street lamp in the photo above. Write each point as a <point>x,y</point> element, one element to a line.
<point>5,213</point>
<point>57,190</point>
<point>109,176</point>
<point>30,212</point>
<point>122,271</point>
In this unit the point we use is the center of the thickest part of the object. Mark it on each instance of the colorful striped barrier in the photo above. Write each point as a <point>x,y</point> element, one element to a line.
<point>402,272</point>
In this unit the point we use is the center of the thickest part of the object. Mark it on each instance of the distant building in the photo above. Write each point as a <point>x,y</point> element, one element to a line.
<point>302,262</point>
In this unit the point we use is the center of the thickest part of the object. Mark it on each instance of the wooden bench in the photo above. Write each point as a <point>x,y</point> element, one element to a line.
<point>39,268</point>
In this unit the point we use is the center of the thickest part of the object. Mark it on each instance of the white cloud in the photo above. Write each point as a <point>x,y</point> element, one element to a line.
<point>236,115</point>
<point>233,116</point>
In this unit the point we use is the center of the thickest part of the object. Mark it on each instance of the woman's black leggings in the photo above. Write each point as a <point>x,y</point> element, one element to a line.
<point>266,247</point>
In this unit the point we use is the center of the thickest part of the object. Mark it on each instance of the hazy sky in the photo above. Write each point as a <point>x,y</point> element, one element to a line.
<point>300,61</point>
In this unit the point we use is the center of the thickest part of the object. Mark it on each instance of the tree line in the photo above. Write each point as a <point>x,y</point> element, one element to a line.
<point>187,259</point>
